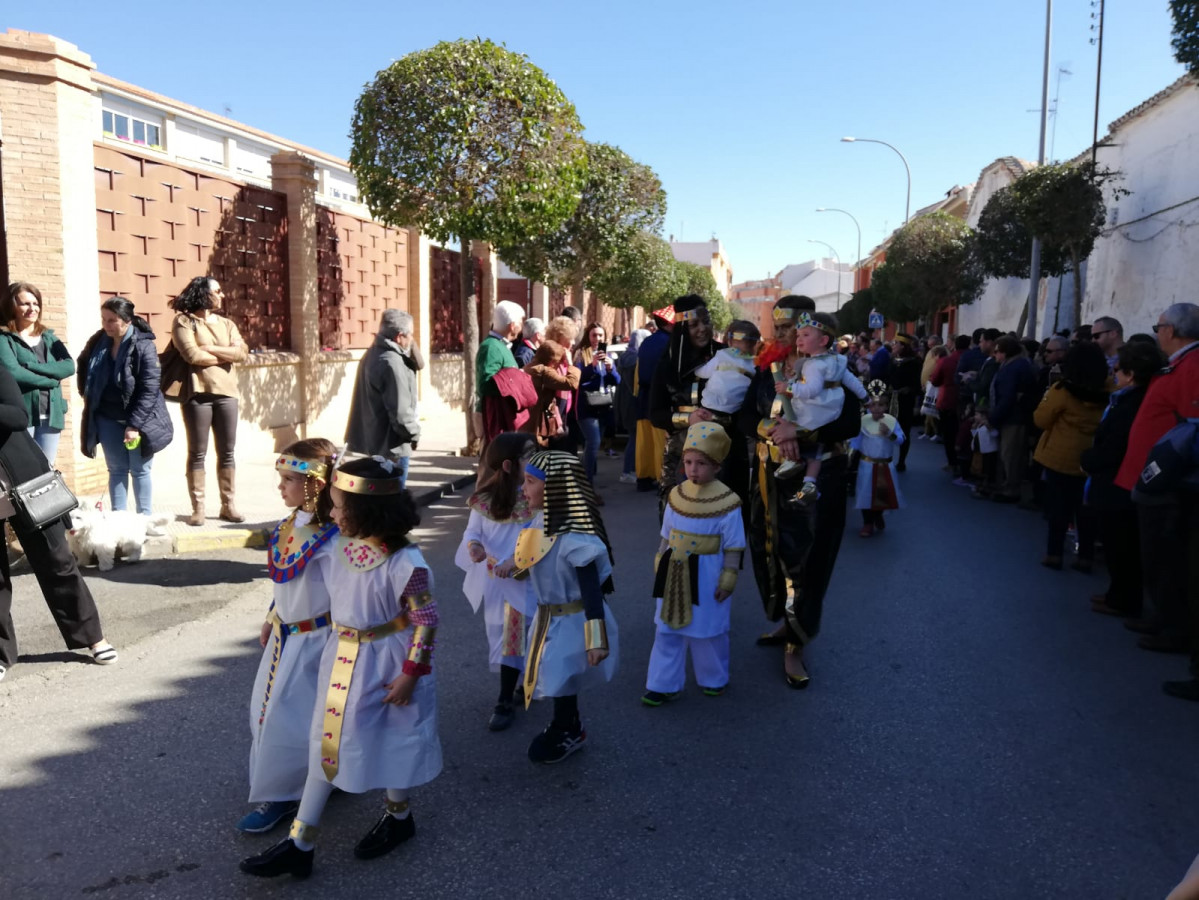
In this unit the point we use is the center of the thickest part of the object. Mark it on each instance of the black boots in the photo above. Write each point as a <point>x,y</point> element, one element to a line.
<point>285,858</point>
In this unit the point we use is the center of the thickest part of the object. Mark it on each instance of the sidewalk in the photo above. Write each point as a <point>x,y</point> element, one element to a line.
<point>434,471</point>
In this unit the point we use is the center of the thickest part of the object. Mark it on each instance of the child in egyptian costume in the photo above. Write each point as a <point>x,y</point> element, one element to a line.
<point>498,512</point>
<point>292,637</point>
<point>565,554</point>
<point>815,396</point>
<point>877,487</point>
<point>375,724</point>
<point>695,572</point>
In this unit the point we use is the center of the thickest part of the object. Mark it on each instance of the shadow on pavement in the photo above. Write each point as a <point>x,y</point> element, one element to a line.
<point>178,571</point>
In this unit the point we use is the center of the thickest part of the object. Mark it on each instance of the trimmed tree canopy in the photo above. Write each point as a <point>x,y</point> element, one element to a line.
<point>467,140</point>
<point>643,273</point>
<point>931,263</point>
<point>1005,244</point>
<point>619,199</point>
<point>699,280</point>
<point>1186,33</point>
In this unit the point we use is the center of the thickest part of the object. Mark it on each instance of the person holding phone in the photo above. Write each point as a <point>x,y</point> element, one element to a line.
<point>597,390</point>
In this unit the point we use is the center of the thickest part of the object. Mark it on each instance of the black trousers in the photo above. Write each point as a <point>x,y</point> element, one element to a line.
<point>948,427</point>
<point>215,412</point>
<point>872,517</point>
<point>905,416</point>
<point>66,593</point>
<point>1164,547</point>
<point>1121,537</point>
<point>1063,505</point>
<point>794,571</point>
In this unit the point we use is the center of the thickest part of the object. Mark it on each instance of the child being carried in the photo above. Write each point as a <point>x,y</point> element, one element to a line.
<point>816,396</point>
<point>729,373</point>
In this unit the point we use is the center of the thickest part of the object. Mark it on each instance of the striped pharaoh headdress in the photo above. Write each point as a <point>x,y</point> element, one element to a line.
<point>570,503</point>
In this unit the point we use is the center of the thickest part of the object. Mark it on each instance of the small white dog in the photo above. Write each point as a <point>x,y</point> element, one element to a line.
<point>100,534</point>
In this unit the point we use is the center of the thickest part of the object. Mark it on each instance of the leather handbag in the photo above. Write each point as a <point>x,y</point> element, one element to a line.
<point>175,372</point>
<point>600,398</point>
<point>39,501</point>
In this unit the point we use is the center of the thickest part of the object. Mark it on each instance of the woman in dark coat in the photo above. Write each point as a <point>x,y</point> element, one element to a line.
<point>123,408</point>
<point>904,376</point>
<point>1136,365</point>
<point>793,549</point>
<point>57,573</point>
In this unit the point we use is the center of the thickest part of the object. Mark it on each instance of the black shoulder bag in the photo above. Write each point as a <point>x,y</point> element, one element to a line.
<point>39,501</point>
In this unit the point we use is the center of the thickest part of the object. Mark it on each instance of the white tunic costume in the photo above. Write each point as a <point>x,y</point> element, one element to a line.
<point>876,485</point>
<point>381,745</point>
<point>563,668</point>
<point>482,588</point>
<point>706,634</point>
<point>816,394</point>
<point>285,689</point>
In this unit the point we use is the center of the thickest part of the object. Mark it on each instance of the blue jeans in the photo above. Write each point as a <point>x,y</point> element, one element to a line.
<point>591,436</point>
<point>402,462</point>
<point>46,438</point>
<point>121,464</point>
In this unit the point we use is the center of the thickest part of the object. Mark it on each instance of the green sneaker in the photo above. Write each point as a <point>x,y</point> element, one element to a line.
<point>653,698</point>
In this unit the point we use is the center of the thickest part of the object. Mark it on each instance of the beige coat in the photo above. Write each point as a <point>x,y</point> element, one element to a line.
<point>209,375</point>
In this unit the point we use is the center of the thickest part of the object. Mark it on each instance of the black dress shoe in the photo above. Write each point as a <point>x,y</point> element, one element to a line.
<point>388,833</point>
<point>501,717</point>
<point>285,858</point>
<point>771,639</point>
<point>1183,690</point>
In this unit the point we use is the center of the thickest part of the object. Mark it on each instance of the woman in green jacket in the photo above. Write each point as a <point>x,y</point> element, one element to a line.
<point>38,362</point>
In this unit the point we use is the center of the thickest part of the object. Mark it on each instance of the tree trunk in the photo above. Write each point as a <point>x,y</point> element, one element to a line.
<point>1077,287</point>
<point>578,299</point>
<point>1023,320</point>
<point>470,339</point>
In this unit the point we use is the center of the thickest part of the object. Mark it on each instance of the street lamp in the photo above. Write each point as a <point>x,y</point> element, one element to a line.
<point>908,206</point>
<point>858,260</point>
<point>837,257</point>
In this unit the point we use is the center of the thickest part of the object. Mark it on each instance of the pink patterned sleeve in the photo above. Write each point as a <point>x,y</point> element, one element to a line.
<point>422,612</point>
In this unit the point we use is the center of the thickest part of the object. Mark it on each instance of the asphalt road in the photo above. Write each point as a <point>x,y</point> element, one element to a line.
<point>972,731</point>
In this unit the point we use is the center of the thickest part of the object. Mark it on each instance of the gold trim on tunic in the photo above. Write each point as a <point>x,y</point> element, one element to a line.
<point>541,627</point>
<point>703,501</point>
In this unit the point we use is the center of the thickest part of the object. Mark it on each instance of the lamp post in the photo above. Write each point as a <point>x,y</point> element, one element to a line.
<point>839,272</point>
<point>907,209</point>
<point>858,258</point>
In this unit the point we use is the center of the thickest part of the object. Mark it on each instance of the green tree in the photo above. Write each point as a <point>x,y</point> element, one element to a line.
<point>854,315</point>
<point>697,279</point>
<point>642,273</point>
<point>1186,33</point>
<point>619,199</point>
<point>1062,204</point>
<point>931,263</point>
<point>1005,243</point>
<point>467,140</point>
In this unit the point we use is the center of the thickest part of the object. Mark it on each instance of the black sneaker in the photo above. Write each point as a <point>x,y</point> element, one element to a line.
<point>501,717</point>
<point>285,858</point>
<point>656,698</point>
<point>555,744</point>
<point>388,833</point>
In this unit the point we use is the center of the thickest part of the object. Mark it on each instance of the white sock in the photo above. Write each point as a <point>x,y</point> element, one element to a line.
<point>395,795</point>
<point>312,805</point>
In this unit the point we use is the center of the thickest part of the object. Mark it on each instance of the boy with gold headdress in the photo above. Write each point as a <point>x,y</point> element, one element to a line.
<point>695,572</point>
<point>877,488</point>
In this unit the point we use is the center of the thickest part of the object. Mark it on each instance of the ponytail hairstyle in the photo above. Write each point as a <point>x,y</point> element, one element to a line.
<point>501,489</point>
<point>123,310</point>
<point>317,450</point>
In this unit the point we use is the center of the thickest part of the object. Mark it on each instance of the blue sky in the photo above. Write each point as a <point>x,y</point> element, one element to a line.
<point>739,107</point>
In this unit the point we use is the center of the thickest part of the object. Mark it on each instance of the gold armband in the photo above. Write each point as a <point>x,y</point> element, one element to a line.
<point>421,651</point>
<point>727,580</point>
<point>596,634</point>
<point>302,831</point>
<point>419,601</point>
<point>680,420</point>
<point>764,427</point>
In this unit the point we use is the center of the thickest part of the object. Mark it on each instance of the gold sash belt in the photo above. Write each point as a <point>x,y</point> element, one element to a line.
<point>348,640</point>
<point>679,591</point>
<point>541,626</point>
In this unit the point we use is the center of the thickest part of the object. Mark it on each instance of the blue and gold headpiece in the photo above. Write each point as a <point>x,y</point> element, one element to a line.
<point>785,314</point>
<point>805,320</point>
<point>288,463</point>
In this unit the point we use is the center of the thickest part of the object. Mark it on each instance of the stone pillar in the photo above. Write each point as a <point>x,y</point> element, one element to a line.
<point>539,302</point>
<point>48,122</point>
<point>420,304</point>
<point>294,175</point>
<point>489,289</point>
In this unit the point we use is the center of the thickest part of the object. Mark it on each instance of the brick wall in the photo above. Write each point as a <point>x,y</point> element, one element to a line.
<point>159,225</point>
<point>445,304</point>
<point>362,270</point>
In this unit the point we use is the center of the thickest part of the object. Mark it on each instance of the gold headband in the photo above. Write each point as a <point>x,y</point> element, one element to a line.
<point>286,463</point>
<point>689,314</point>
<point>360,484</point>
<point>903,339</point>
<point>785,314</point>
<point>739,336</point>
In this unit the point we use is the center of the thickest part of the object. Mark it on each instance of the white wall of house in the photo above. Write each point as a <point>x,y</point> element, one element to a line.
<point>1149,257</point>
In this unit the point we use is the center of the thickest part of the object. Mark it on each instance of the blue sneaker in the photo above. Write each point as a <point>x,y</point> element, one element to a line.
<point>266,816</point>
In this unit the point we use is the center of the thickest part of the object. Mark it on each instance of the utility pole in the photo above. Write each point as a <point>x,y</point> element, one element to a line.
<point>1034,289</point>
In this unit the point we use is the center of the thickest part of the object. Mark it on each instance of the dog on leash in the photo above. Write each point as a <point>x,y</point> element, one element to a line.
<point>101,534</point>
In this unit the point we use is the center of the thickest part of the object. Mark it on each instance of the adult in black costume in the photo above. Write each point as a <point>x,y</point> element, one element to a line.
<point>676,396</point>
<point>793,549</point>
<point>57,573</point>
<point>904,377</point>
